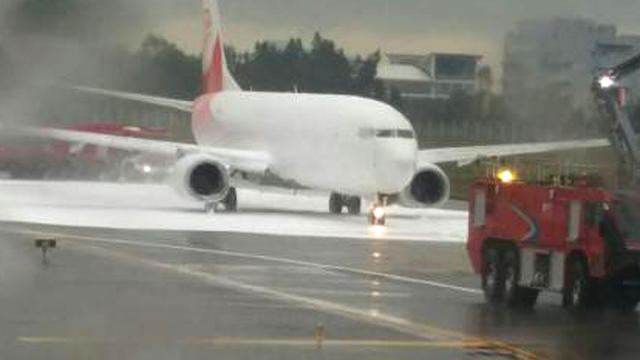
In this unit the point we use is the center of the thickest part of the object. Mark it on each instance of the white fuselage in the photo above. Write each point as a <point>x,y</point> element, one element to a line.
<point>345,144</point>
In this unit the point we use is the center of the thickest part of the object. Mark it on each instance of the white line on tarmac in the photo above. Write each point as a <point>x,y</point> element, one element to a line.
<point>268,258</point>
<point>419,330</point>
<point>266,342</point>
<point>445,238</point>
<point>376,318</point>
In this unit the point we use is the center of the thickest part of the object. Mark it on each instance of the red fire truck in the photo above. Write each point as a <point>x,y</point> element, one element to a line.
<point>576,239</point>
<point>570,236</point>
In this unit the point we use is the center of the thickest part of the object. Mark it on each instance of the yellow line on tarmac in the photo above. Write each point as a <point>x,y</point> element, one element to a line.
<point>253,257</point>
<point>307,342</point>
<point>58,340</point>
<point>419,330</point>
<point>268,342</point>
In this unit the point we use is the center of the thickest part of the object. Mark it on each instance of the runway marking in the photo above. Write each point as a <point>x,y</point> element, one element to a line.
<point>397,323</point>
<point>267,342</point>
<point>418,330</point>
<point>368,293</point>
<point>268,258</point>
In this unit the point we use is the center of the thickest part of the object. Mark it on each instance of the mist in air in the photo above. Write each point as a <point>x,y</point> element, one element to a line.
<point>46,44</point>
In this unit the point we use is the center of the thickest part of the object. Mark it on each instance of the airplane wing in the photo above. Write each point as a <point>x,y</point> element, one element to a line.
<point>467,155</point>
<point>249,161</point>
<point>181,105</point>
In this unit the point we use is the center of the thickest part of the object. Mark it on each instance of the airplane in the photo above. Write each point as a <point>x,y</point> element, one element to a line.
<point>349,146</point>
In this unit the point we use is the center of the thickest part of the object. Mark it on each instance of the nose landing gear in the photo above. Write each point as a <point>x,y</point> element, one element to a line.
<point>377,212</point>
<point>377,215</point>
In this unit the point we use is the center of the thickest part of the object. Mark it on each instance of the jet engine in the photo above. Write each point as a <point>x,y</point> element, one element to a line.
<point>430,187</point>
<point>201,177</point>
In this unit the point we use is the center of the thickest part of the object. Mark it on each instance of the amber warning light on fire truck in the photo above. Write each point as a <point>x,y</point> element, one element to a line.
<point>506,176</point>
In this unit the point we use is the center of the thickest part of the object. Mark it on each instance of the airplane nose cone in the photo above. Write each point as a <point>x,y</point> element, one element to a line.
<point>396,165</point>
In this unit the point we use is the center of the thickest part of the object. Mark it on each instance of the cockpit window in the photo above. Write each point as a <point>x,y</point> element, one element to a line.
<point>386,133</point>
<point>406,134</point>
<point>367,133</point>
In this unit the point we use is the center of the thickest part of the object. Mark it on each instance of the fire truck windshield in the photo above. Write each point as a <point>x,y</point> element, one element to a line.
<point>627,214</point>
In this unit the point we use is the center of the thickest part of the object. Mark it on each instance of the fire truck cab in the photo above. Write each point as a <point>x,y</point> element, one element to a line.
<point>575,239</point>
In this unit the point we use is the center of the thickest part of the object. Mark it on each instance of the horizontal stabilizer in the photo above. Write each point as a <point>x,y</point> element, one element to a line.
<point>181,105</point>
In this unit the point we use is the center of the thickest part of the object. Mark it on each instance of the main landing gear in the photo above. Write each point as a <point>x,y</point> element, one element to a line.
<point>377,214</point>
<point>230,203</point>
<point>337,202</point>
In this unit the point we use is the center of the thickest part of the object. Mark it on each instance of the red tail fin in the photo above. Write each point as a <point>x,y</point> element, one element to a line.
<point>215,74</point>
<point>212,80</point>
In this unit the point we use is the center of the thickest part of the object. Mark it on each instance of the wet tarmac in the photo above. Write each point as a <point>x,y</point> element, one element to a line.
<point>120,294</point>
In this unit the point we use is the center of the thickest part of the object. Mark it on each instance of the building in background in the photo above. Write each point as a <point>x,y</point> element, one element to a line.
<point>558,58</point>
<point>432,76</point>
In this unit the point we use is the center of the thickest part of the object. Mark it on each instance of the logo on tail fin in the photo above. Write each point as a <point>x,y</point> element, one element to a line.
<point>215,75</point>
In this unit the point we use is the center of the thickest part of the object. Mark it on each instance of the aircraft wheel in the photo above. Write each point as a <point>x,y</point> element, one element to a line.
<point>336,203</point>
<point>231,200</point>
<point>377,219</point>
<point>354,205</point>
<point>210,207</point>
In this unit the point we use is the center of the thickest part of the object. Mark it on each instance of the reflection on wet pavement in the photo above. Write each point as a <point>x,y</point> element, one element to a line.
<point>276,287</point>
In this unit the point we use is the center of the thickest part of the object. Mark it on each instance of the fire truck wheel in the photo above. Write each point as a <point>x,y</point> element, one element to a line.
<point>579,292</point>
<point>624,303</point>
<point>623,297</point>
<point>528,298</point>
<point>335,204</point>
<point>493,281</point>
<point>516,295</point>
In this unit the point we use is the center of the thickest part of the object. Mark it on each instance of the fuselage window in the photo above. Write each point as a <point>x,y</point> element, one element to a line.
<point>367,133</point>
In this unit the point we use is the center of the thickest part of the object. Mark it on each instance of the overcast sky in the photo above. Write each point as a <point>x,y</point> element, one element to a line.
<point>362,26</point>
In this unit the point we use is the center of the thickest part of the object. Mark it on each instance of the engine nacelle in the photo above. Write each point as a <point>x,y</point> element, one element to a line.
<point>201,177</point>
<point>430,187</point>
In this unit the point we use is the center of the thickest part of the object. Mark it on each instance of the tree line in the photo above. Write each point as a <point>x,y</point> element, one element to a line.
<point>319,66</point>
<point>160,67</point>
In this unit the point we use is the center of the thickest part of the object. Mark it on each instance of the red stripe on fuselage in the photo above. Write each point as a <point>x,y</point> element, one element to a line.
<point>202,119</point>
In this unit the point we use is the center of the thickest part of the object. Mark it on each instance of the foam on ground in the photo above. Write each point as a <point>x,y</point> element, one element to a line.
<point>158,207</point>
